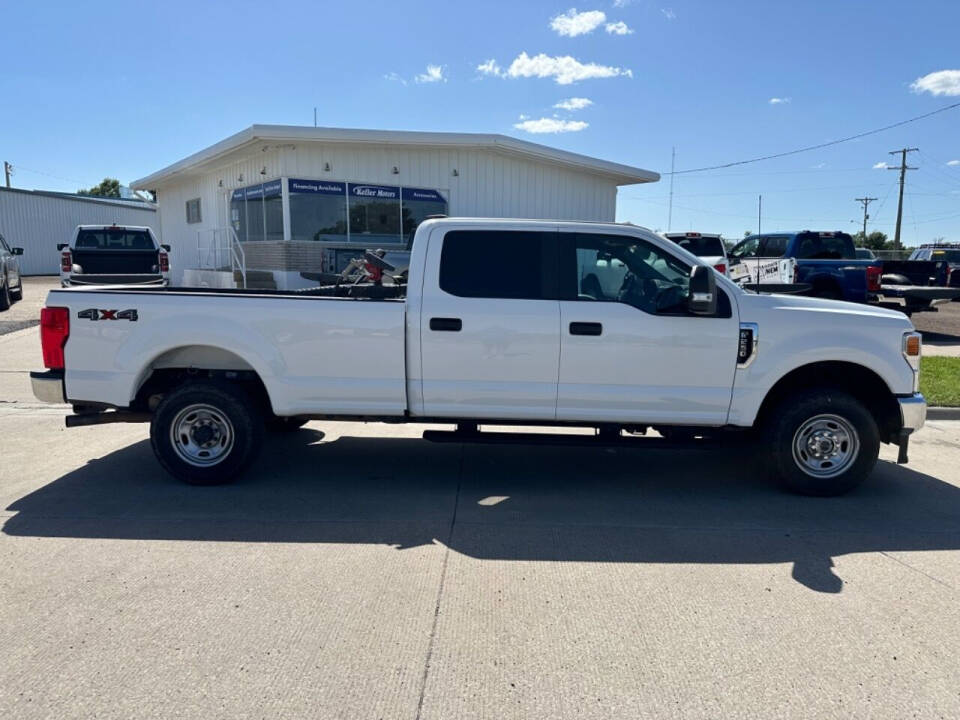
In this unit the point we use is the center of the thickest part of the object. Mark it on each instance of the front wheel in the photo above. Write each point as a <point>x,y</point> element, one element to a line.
<point>5,301</point>
<point>17,295</point>
<point>822,442</point>
<point>206,433</point>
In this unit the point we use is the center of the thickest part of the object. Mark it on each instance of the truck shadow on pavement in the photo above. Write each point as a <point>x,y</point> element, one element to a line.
<point>503,502</point>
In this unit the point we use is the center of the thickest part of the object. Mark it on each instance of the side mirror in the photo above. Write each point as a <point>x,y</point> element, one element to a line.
<point>61,246</point>
<point>703,291</point>
<point>165,247</point>
<point>17,251</point>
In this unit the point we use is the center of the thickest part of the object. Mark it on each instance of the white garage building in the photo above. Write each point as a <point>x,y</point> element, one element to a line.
<point>37,220</point>
<point>275,200</point>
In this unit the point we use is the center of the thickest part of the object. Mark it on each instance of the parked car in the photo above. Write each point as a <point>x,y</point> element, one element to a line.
<point>708,247</point>
<point>590,324</point>
<point>865,254</point>
<point>11,284</point>
<point>826,261</point>
<point>114,255</point>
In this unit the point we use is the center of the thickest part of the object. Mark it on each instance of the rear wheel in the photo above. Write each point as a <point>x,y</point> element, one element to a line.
<point>206,433</point>
<point>823,442</point>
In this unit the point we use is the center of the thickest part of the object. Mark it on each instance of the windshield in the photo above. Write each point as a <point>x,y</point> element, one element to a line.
<point>114,239</point>
<point>700,246</point>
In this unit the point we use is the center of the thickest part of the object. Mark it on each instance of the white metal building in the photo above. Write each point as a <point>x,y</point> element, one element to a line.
<point>282,199</point>
<point>38,220</point>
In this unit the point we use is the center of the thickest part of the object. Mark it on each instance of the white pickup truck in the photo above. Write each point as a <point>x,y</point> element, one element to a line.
<point>510,322</point>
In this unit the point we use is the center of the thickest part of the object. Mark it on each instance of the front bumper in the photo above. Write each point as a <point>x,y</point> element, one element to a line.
<point>913,411</point>
<point>48,386</point>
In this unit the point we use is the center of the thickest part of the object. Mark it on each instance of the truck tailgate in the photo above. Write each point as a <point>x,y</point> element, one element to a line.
<point>315,355</point>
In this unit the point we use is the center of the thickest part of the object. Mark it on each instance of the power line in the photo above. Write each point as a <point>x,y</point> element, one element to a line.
<point>819,146</point>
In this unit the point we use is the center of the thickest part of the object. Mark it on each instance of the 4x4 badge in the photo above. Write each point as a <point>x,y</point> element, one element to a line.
<point>95,314</point>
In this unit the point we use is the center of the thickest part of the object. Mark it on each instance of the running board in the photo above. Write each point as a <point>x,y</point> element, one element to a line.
<point>562,439</point>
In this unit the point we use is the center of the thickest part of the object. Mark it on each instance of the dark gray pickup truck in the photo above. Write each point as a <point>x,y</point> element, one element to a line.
<point>114,255</point>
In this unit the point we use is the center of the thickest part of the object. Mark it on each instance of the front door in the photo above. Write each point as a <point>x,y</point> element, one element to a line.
<point>630,350</point>
<point>490,325</point>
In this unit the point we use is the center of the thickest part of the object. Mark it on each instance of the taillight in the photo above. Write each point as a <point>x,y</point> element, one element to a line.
<point>720,268</point>
<point>66,261</point>
<point>164,262</point>
<point>873,278</point>
<point>54,331</point>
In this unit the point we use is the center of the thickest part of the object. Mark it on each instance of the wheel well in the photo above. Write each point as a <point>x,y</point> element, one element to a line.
<point>861,382</point>
<point>180,365</point>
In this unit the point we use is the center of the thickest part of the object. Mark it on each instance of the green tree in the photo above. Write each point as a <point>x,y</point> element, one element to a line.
<point>747,233</point>
<point>108,187</point>
<point>875,240</point>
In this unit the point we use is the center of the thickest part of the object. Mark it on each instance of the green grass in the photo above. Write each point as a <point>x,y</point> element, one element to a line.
<point>940,380</point>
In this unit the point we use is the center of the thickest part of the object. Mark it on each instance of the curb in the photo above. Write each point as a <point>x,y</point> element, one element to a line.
<point>943,413</point>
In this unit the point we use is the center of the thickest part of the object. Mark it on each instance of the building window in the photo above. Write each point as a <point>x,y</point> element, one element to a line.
<point>256,212</point>
<point>193,211</point>
<point>318,210</point>
<point>418,203</point>
<point>374,214</point>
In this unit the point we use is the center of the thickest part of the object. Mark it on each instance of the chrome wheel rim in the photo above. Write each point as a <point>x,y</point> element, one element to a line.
<point>825,446</point>
<point>201,435</point>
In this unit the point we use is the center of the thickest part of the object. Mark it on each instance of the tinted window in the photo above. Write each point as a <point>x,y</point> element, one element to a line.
<point>952,256</point>
<point>699,246</point>
<point>114,239</point>
<point>774,246</point>
<point>495,264</point>
<point>825,246</point>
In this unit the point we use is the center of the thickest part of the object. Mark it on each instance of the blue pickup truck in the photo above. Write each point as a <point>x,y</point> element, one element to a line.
<point>827,262</point>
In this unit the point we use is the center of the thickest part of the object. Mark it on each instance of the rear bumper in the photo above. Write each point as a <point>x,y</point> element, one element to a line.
<point>913,411</point>
<point>139,280</point>
<point>48,386</point>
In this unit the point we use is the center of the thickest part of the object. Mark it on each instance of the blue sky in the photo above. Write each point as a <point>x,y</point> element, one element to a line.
<point>97,89</point>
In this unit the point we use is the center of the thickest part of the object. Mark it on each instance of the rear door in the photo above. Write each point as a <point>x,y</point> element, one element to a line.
<point>490,325</point>
<point>630,350</point>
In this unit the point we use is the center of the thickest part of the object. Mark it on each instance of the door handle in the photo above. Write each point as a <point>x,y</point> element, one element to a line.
<point>586,328</point>
<point>446,324</point>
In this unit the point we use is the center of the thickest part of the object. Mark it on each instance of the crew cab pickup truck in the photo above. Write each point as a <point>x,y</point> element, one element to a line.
<point>826,261</point>
<point>510,322</point>
<point>708,247</point>
<point>114,255</point>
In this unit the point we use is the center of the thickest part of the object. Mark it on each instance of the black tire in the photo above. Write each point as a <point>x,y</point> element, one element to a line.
<point>5,301</point>
<point>223,408</point>
<point>834,412</point>
<point>286,424</point>
<point>17,295</point>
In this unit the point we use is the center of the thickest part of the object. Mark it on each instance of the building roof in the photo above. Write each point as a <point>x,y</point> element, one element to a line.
<point>134,203</point>
<point>621,174</point>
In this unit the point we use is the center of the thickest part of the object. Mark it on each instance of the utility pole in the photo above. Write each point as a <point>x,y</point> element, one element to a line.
<point>673,158</point>
<point>903,176</point>
<point>314,115</point>
<point>759,212</point>
<point>865,201</point>
<point>7,169</point>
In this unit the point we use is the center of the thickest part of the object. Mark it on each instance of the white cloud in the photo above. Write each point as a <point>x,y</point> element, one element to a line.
<point>953,162</point>
<point>880,166</point>
<point>550,125</point>
<point>621,3</point>
<point>433,74</point>
<point>668,13</point>
<point>490,67</point>
<point>562,68</point>
<point>573,23</point>
<point>574,103</point>
<point>393,77</point>
<point>778,101</point>
<point>618,28</point>
<point>942,82</point>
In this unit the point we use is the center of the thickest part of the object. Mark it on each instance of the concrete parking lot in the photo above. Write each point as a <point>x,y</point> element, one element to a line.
<point>361,572</point>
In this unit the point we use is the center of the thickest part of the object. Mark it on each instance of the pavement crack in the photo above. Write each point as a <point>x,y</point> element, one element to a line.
<point>443,578</point>
<point>917,570</point>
